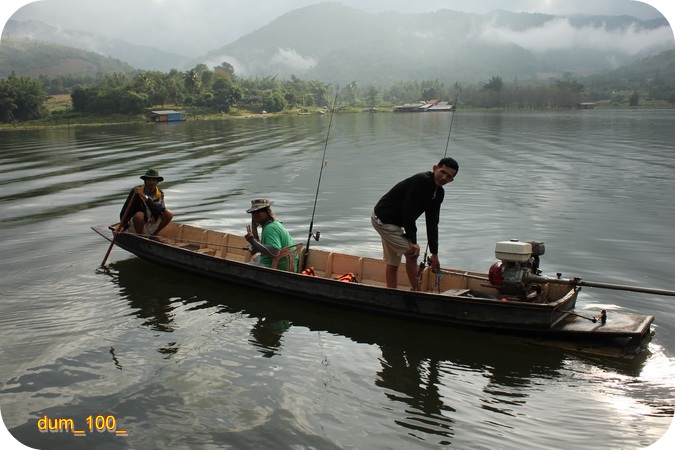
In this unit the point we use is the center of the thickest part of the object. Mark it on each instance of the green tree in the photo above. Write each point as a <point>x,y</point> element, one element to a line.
<point>352,88</point>
<point>496,84</point>
<point>22,98</point>
<point>133,103</point>
<point>225,67</point>
<point>372,96</point>
<point>567,92</point>
<point>432,90</point>
<point>274,102</point>
<point>192,81</point>
<point>634,99</point>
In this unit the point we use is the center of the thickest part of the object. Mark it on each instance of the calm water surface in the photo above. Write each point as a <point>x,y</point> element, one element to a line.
<point>180,362</point>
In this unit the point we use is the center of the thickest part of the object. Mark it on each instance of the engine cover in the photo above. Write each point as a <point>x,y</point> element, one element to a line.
<point>511,276</point>
<point>513,251</point>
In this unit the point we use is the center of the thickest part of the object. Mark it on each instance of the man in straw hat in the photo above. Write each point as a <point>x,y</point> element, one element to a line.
<point>273,236</point>
<point>148,213</point>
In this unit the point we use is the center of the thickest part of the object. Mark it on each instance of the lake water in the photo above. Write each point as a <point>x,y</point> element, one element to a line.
<point>182,362</point>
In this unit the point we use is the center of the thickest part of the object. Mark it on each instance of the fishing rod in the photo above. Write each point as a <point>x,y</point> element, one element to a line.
<point>318,185</point>
<point>425,259</point>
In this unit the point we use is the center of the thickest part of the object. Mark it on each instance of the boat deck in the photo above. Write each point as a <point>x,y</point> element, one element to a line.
<point>368,271</point>
<point>619,324</point>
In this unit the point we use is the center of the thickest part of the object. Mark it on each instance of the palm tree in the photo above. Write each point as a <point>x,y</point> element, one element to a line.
<point>192,80</point>
<point>352,86</point>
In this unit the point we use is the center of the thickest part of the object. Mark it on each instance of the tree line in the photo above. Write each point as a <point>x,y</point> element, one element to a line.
<point>218,90</point>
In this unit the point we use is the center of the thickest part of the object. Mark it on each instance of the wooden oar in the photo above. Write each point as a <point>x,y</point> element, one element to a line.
<point>119,227</point>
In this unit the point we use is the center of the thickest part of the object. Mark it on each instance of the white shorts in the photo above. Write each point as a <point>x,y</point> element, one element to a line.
<point>394,243</point>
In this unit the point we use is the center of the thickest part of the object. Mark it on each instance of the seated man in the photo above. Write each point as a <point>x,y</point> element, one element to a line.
<point>147,214</point>
<point>273,236</point>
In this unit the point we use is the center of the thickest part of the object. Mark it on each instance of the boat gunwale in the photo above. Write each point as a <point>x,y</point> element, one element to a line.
<point>510,304</point>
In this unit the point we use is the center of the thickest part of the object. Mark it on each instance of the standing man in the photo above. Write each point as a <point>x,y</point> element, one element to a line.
<point>148,214</point>
<point>395,214</point>
<point>273,236</point>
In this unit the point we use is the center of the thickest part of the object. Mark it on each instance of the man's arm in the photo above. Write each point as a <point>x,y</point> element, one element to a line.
<point>267,250</point>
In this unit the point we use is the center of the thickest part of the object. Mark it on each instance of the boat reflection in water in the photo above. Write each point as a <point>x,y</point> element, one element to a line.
<point>429,371</point>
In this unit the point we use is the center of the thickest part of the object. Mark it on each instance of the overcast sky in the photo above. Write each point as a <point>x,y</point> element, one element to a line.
<point>194,27</point>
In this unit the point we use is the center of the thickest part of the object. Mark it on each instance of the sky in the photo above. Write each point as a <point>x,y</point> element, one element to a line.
<point>199,26</point>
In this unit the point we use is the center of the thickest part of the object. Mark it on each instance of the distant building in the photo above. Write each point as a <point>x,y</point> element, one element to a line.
<point>165,116</point>
<point>431,105</point>
<point>442,106</point>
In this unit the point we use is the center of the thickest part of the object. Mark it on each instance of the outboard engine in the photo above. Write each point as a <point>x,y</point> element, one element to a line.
<point>510,276</point>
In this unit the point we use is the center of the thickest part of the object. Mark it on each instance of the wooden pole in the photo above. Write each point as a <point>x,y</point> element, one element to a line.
<point>618,287</point>
<point>119,227</point>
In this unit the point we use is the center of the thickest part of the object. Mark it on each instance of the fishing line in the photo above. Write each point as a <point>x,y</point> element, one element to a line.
<point>318,185</point>
<point>452,120</point>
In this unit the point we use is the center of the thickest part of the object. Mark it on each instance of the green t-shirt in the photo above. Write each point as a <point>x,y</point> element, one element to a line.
<point>275,235</point>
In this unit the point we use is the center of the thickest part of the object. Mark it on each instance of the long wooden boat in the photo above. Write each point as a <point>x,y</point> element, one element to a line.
<point>452,297</point>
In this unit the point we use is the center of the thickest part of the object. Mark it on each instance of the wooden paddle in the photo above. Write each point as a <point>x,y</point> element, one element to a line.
<point>119,227</point>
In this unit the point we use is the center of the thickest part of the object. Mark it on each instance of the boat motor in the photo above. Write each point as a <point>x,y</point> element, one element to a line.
<point>512,276</point>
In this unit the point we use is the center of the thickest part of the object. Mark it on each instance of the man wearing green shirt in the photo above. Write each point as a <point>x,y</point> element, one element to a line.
<point>273,236</point>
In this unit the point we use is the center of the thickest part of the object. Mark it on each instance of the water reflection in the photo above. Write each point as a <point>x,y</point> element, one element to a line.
<point>415,381</point>
<point>153,299</point>
<point>141,286</point>
<point>267,334</point>
<point>428,374</point>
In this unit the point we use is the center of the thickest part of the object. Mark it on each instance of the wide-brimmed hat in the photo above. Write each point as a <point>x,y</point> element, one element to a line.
<point>152,173</point>
<point>259,203</point>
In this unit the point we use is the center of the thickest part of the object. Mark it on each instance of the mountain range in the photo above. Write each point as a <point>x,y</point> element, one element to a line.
<point>333,43</point>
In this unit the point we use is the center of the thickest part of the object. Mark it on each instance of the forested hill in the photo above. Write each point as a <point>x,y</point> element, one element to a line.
<point>655,74</point>
<point>139,56</point>
<point>334,43</point>
<point>28,57</point>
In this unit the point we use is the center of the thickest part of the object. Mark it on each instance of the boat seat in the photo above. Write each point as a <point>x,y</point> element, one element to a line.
<point>291,253</point>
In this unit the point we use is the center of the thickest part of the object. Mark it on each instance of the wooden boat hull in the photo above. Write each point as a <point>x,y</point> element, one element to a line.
<point>196,254</point>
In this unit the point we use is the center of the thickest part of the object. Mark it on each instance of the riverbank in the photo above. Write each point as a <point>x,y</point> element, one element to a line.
<point>61,116</point>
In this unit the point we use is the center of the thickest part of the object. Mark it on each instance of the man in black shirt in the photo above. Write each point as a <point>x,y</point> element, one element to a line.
<point>395,214</point>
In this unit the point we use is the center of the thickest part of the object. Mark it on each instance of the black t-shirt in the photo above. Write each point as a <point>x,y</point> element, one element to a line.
<point>407,200</point>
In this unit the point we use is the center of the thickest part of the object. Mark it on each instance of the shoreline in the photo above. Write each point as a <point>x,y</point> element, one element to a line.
<point>93,122</point>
